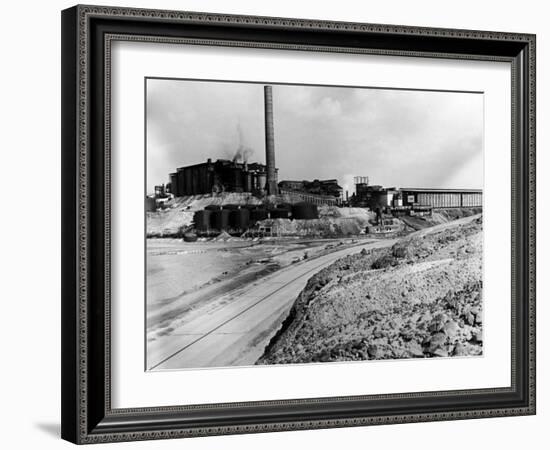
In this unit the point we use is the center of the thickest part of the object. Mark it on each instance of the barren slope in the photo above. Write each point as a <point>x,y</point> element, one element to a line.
<point>421,298</point>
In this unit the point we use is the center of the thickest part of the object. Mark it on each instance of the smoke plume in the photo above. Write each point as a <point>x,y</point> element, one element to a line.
<point>243,152</point>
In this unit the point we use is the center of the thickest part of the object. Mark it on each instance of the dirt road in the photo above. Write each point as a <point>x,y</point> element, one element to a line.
<point>237,330</point>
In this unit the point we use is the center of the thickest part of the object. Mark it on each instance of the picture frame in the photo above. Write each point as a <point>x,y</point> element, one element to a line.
<point>88,33</point>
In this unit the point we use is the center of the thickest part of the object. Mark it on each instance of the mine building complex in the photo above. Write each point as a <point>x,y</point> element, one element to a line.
<point>315,187</point>
<point>224,175</point>
<point>232,176</point>
<point>396,199</point>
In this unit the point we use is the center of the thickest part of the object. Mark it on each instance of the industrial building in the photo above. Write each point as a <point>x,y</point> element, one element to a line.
<point>328,188</point>
<point>232,176</point>
<point>225,175</point>
<point>377,197</point>
<point>222,175</point>
<point>442,198</point>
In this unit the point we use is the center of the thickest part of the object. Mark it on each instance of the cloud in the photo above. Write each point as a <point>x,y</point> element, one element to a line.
<point>396,137</point>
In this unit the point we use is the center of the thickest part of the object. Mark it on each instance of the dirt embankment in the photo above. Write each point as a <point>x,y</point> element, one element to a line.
<point>420,298</point>
<point>439,216</point>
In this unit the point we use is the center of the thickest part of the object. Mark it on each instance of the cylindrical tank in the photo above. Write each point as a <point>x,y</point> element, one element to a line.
<point>237,179</point>
<point>304,210</point>
<point>239,218</point>
<point>190,237</point>
<point>174,184</point>
<point>258,214</point>
<point>150,204</point>
<point>247,180</point>
<point>261,180</point>
<point>220,219</point>
<point>284,206</point>
<point>281,213</point>
<point>202,219</point>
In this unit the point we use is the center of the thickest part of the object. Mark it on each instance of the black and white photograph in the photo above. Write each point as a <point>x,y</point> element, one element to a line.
<point>275,220</point>
<point>300,224</point>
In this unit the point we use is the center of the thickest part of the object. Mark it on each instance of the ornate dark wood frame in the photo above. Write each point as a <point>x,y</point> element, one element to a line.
<point>87,32</point>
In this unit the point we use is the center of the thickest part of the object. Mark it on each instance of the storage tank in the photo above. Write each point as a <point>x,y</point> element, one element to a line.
<point>239,218</point>
<point>284,206</point>
<point>174,184</point>
<point>258,214</point>
<point>305,211</point>
<point>247,177</point>
<point>261,179</point>
<point>150,204</point>
<point>220,219</point>
<point>281,212</point>
<point>237,178</point>
<point>190,237</point>
<point>202,219</point>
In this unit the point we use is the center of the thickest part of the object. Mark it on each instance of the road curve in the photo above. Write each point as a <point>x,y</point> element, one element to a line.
<point>236,333</point>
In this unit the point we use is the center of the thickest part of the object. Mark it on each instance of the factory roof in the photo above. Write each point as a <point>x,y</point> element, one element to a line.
<point>225,162</point>
<point>440,190</point>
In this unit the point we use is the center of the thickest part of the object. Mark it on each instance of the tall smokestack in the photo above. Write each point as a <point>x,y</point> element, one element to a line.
<point>271,184</point>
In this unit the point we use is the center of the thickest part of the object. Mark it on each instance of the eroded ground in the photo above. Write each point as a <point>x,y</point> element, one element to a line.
<point>186,278</point>
<point>231,301</point>
<point>420,298</point>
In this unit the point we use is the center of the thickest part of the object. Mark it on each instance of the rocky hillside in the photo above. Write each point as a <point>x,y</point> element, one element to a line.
<point>420,298</point>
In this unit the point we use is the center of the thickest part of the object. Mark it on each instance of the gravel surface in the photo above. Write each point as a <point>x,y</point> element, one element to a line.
<point>420,298</point>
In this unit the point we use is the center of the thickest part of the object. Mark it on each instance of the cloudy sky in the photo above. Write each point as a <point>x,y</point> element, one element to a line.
<point>395,137</point>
